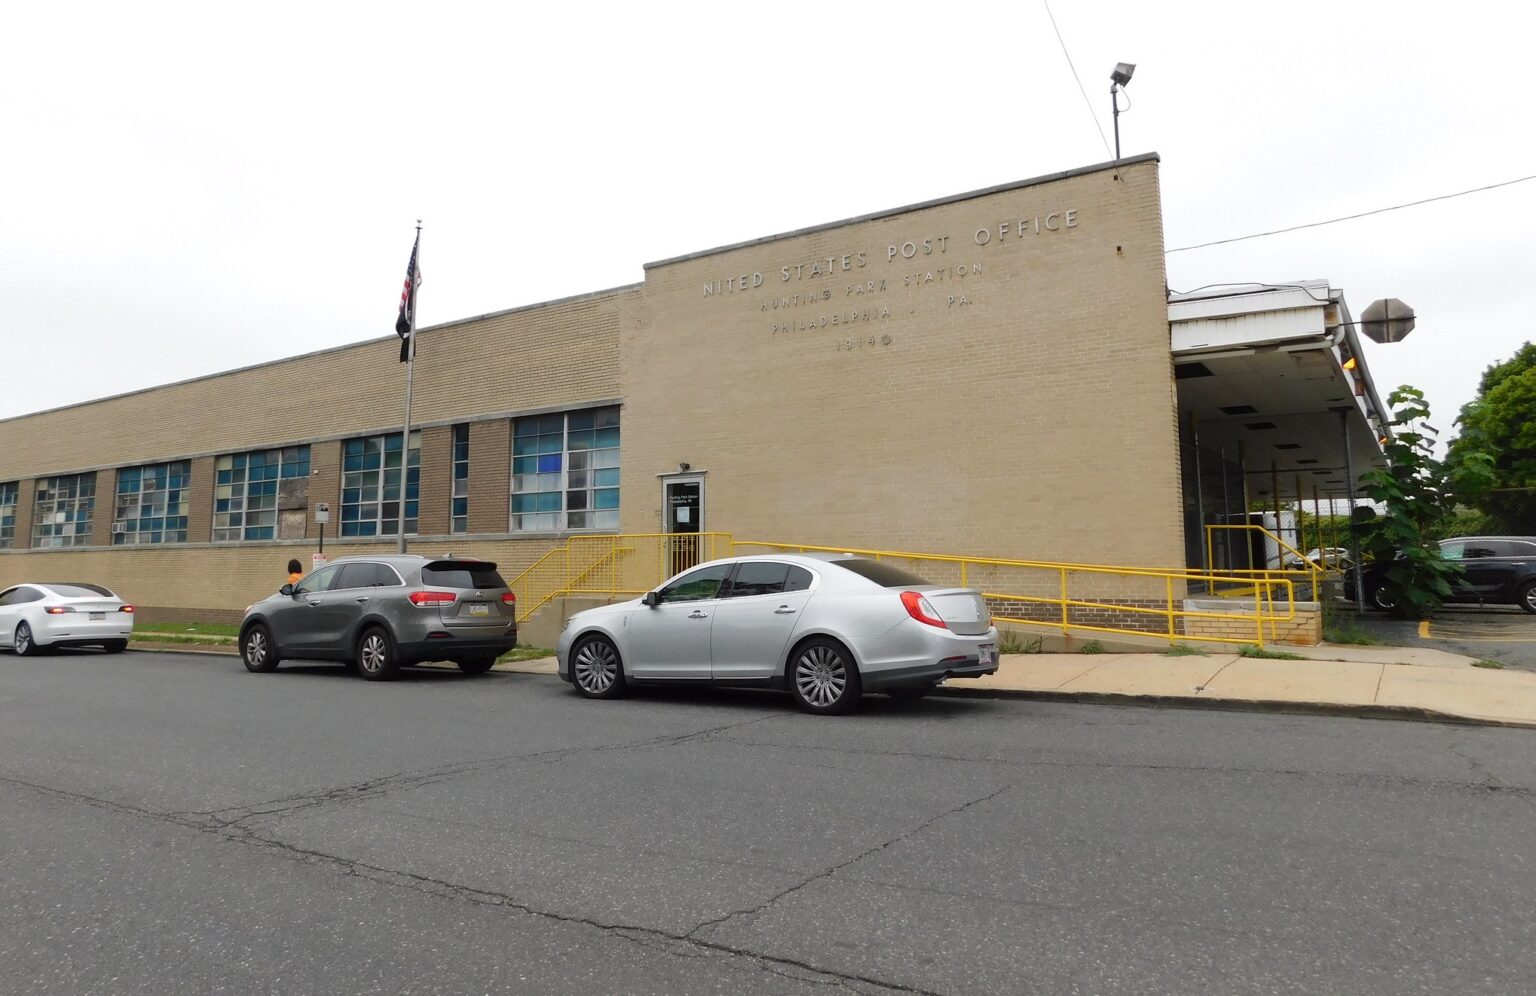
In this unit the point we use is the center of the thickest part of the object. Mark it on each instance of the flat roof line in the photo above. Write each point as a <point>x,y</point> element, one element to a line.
<point>1034,181</point>
<point>317,352</point>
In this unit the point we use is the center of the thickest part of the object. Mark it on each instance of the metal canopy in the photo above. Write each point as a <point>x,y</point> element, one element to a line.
<point>1264,369</point>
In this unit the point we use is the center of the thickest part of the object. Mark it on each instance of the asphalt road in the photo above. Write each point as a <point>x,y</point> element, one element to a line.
<point>172,824</point>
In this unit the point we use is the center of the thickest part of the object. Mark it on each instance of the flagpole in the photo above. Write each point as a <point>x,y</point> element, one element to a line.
<point>410,367</point>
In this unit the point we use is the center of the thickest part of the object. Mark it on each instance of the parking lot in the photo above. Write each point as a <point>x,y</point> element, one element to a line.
<point>174,824</point>
<point>1501,633</point>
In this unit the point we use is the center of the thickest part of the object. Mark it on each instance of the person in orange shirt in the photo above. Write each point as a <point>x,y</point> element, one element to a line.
<point>295,571</point>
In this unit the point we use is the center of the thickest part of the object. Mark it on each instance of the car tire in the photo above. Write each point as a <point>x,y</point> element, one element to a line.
<point>1526,599</point>
<point>910,693</point>
<point>115,646</point>
<point>823,677</point>
<point>597,671</point>
<point>257,651</point>
<point>23,643</point>
<point>376,660</point>
<point>477,665</point>
<point>1384,598</point>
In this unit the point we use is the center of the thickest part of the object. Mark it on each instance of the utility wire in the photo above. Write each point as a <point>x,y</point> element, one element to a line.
<point>1351,217</point>
<point>1086,102</point>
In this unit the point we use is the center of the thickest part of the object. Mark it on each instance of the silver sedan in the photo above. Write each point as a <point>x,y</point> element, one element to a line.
<point>36,617</point>
<point>827,628</point>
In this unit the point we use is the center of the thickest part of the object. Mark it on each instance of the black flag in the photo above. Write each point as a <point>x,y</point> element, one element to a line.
<point>405,325</point>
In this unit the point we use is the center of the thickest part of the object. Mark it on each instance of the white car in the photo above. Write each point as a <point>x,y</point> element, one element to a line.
<point>37,617</point>
<point>1329,557</point>
<point>828,628</point>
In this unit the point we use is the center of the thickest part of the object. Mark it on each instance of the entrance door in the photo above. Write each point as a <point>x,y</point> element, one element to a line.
<point>683,520</point>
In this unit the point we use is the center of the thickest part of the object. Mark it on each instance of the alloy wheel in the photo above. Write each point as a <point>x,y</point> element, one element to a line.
<point>374,653</point>
<point>821,676</point>
<point>596,666</point>
<point>23,639</point>
<point>256,648</point>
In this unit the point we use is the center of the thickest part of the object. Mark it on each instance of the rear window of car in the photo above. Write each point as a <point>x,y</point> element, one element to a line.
<point>883,574</point>
<point>79,590</point>
<point>444,574</point>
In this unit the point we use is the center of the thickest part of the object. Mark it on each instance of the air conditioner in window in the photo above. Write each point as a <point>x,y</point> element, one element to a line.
<point>119,527</point>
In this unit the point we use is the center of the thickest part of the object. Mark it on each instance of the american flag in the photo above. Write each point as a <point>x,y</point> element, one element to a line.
<point>407,319</point>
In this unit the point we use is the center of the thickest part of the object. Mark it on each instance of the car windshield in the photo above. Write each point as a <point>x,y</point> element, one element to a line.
<point>882,574</point>
<point>449,574</point>
<point>78,590</point>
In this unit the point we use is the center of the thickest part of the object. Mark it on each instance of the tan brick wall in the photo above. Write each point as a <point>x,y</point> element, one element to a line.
<point>490,475</point>
<point>200,500</point>
<point>1305,629</point>
<point>548,355</point>
<point>104,509</point>
<point>1010,399</point>
<point>1025,411</point>
<point>434,512</point>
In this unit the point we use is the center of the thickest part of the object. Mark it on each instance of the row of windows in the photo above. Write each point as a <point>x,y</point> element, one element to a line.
<point>565,475</point>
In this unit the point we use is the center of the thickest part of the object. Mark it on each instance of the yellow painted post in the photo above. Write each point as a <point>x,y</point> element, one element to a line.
<point>1169,584</point>
<point>963,582</point>
<point>1274,490</point>
<point>1063,571</point>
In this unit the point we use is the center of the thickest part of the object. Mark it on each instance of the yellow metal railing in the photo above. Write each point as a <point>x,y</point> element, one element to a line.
<point>1095,598</point>
<point>1090,598</point>
<point>628,564</point>
<point>1310,573</point>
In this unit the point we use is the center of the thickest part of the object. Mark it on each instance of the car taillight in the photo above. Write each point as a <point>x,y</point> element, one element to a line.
<point>507,598</point>
<point>432,597</point>
<point>919,608</point>
<point>58,610</point>
<point>126,608</point>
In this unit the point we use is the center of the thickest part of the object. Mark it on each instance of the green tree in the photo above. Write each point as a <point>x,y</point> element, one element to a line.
<point>1498,429</point>
<point>1417,494</point>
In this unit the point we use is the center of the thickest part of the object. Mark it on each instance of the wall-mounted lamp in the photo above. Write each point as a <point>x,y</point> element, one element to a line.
<point>684,467</point>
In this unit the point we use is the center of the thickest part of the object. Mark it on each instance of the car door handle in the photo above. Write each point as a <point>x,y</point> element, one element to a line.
<point>362,598</point>
<point>312,604</point>
<point>783,610</point>
<point>696,614</point>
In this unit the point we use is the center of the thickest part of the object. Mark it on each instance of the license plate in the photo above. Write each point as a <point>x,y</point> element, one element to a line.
<point>479,610</point>
<point>987,655</point>
<point>98,616</point>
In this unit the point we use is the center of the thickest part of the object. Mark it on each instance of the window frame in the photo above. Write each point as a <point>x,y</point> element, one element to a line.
<point>174,496</point>
<point>10,508</point>
<point>547,491</point>
<point>240,506</point>
<point>458,480</point>
<point>355,479</point>
<point>81,535</point>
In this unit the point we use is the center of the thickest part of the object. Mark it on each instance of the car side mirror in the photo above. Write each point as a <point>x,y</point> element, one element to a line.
<point>651,598</point>
<point>286,589</point>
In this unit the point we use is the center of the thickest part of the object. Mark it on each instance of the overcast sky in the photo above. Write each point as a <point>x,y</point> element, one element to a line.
<point>192,188</point>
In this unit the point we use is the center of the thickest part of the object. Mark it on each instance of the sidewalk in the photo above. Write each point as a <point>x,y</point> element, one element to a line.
<point>1381,681</point>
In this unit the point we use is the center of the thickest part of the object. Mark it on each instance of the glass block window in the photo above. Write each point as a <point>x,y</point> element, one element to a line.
<point>9,494</point>
<point>245,491</point>
<point>372,499</point>
<point>565,471</point>
<point>62,516</point>
<point>151,504</point>
<point>460,479</point>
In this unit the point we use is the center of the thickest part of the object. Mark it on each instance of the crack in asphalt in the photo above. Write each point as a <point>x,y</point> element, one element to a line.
<point>760,908</point>
<point>233,824</point>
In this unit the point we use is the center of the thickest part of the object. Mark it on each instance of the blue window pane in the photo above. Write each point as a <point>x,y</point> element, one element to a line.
<point>607,478</point>
<point>550,444</point>
<point>550,464</point>
<point>522,503</point>
<point>581,420</point>
<point>548,501</point>
<point>608,437</point>
<point>607,498</point>
<point>525,465</point>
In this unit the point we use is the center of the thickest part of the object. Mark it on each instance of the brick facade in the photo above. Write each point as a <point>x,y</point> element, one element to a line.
<point>987,375</point>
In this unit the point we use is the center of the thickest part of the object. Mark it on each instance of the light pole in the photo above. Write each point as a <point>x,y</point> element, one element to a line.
<point>1118,79</point>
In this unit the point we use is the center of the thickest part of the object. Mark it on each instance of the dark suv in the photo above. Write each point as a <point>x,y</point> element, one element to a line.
<point>1497,570</point>
<point>381,613</point>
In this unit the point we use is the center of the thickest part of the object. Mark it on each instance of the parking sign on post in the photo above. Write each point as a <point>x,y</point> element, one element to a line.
<point>322,516</point>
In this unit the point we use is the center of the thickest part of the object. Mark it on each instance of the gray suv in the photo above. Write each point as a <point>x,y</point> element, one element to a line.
<point>379,614</point>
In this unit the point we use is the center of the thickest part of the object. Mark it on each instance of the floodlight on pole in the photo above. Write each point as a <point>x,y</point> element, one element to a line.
<point>1117,81</point>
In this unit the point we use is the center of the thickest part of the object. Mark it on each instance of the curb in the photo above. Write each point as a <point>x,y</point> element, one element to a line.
<point>1372,711</point>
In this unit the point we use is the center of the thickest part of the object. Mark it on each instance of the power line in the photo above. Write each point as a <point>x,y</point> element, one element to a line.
<point>1351,217</point>
<point>1086,102</point>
